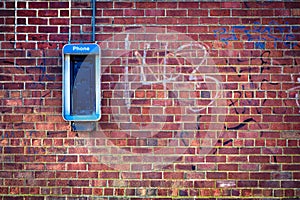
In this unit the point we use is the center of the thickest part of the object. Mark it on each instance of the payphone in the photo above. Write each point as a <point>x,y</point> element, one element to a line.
<point>81,82</point>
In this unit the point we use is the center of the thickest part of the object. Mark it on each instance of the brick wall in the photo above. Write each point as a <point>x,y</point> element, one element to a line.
<point>199,100</point>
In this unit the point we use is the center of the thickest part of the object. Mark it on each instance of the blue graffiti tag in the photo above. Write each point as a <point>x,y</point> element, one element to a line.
<point>259,34</point>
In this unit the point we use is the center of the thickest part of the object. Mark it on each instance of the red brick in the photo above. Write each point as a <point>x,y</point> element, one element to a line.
<point>296,175</point>
<point>59,4</point>
<point>259,159</point>
<point>11,102</point>
<point>59,21</point>
<point>220,12</point>
<point>231,5</point>
<point>109,175</point>
<point>216,175</point>
<point>155,12</point>
<point>240,175</point>
<point>247,183</point>
<point>228,167</point>
<point>47,13</point>
<point>4,190</point>
<point>230,21</point>
<point>85,191</point>
<point>48,29</point>
<point>79,183</point>
<point>12,86</point>
<point>147,5</point>
<point>195,175</point>
<point>113,13</point>
<point>262,12</point>
<point>88,175</point>
<point>14,150</point>
<point>21,5</point>
<point>260,175</point>
<point>65,175</point>
<point>241,12</point>
<point>97,191</point>
<point>198,13</point>
<point>210,5</point>
<point>76,20</point>
<point>25,45</point>
<point>249,167</point>
<point>27,13</point>
<point>12,118</point>
<point>292,118</point>
<point>6,29</point>
<point>10,21</point>
<point>64,13</point>
<point>6,45</point>
<point>38,5</point>
<point>188,5</point>
<point>197,29</point>
<point>76,166</point>
<point>215,159</point>
<point>38,21</point>
<point>26,29</point>
<point>130,12</point>
<point>96,166</point>
<point>44,126</point>
<point>291,150</point>
<point>176,12</point>
<point>250,157</point>
<point>59,37</point>
<point>290,5</point>
<point>173,175</point>
<point>123,4</point>
<point>9,4</point>
<point>104,4</point>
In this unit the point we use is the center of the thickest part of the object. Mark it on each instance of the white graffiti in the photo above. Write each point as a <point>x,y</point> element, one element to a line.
<point>127,101</point>
<point>195,56</point>
<point>180,77</point>
<point>296,95</point>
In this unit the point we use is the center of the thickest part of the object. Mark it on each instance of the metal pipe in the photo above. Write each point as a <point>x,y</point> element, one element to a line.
<point>70,21</point>
<point>16,23</point>
<point>93,19</point>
